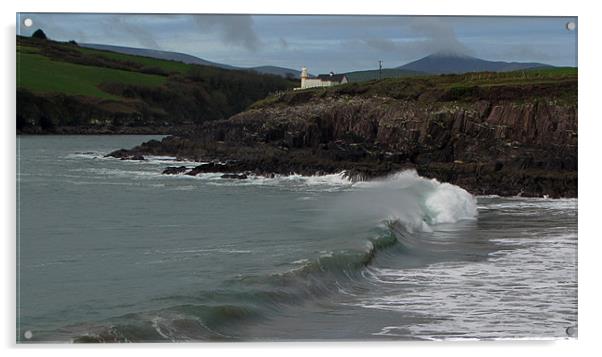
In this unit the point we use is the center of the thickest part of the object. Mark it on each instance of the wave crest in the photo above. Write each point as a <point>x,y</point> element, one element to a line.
<point>416,202</point>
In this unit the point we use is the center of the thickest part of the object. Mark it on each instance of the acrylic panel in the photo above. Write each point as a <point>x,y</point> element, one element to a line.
<point>193,177</point>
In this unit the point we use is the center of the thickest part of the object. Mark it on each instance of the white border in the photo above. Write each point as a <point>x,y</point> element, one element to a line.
<point>589,159</point>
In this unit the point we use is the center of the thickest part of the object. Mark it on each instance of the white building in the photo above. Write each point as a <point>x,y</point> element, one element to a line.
<point>322,80</point>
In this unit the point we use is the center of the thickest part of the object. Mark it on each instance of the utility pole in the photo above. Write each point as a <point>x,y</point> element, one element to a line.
<point>380,69</point>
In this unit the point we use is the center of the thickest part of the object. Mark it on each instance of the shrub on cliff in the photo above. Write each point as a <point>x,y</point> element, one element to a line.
<point>39,34</point>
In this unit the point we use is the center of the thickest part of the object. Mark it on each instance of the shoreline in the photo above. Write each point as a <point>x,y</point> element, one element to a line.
<point>91,134</point>
<point>104,131</point>
<point>241,170</point>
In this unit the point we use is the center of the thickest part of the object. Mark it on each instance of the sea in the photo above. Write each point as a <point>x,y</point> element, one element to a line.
<point>111,250</point>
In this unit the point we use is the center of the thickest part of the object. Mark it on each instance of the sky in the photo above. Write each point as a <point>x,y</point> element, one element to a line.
<point>321,43</point>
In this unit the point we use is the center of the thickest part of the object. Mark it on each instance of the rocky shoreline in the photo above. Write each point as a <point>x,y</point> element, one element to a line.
<point>524,145</point>
<point>101,131</point>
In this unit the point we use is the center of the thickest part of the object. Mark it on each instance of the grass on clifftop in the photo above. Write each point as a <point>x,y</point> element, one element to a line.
<point>524,77</point>
<point>369,75</point>
<point>560,83</point>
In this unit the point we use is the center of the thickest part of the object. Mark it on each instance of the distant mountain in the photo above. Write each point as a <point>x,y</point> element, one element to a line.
<point>189,59</point>
<point>454,63</point>
<point>368,75</point>
<point>165,55</point>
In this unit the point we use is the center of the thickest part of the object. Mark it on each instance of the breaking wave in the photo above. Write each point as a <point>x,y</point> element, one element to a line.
<point>416,203</point>
<point>401,208</point>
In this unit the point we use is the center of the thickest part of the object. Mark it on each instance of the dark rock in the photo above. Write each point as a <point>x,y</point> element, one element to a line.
<point>124,154</point>
<point>209,167</point>
<point>235,176</point>
<point>174,170</point>
<point>119,154</point>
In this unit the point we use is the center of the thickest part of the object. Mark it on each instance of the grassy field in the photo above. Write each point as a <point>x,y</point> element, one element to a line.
<point>26,49</point>
<point>559,83</point>
<point>369,75</point>
<point>531,76</point>
<point>477,79</point>
<point>41,74</point>
<point>120,90</point>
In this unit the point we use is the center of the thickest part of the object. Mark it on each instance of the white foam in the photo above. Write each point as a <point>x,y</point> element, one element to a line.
<point>513,203</point>
<point>89,155</point>
<point>119,172</point>
<point>529,291</point>
<point>449,204</point>
<point>148,159</point>
<point>330,182</point>
<point>169,160</point>
<point>337,179</point>
<point>416,202</point>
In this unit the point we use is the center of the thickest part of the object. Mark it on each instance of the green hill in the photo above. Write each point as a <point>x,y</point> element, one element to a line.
<point>63,87</point>
<point>40,74</point>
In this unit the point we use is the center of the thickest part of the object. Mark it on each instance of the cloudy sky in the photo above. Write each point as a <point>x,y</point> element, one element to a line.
<point>322,43</point>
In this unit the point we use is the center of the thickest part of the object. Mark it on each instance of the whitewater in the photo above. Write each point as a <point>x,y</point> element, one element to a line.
<point>112,251</point>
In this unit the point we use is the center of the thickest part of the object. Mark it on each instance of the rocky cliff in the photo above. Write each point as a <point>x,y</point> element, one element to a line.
<point>506,139</point>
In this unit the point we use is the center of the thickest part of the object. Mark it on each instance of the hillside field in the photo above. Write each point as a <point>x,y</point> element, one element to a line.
<point>60,84</point>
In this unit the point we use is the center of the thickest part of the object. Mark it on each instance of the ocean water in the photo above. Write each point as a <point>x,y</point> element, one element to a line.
<point>111,250</point>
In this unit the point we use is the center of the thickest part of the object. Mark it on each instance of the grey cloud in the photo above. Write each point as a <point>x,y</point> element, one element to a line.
<point>283,43</point>
<point>403,51</point>
<point>123,23</point>
<point>432,34</point>
<point>523,52</point>
<point>382,44</point>
<point>234,30</point>
<point>417,37</point>
<point>439,34</point>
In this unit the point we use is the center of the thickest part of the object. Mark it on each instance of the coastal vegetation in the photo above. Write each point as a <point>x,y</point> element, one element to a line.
<point>561,82</point>
<point>62,87</point>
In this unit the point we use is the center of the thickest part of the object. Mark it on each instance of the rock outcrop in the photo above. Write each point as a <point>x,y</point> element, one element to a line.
<point>174,170</point>
<point>496,140</point>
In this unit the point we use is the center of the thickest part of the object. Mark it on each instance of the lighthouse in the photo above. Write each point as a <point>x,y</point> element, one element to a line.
<point>304,76</point>
<point>322,80</point>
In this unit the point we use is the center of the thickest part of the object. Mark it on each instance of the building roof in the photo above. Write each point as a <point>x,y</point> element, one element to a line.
<point>331,77</point>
